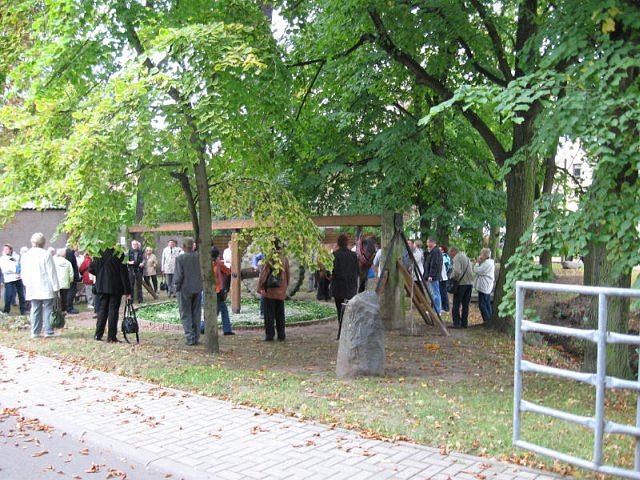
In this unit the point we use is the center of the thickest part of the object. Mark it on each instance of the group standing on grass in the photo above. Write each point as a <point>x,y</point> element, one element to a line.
<point>37,277</point>
<point>443,265</point>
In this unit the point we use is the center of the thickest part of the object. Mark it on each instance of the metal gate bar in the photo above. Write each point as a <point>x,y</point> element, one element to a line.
<point>599,380</point>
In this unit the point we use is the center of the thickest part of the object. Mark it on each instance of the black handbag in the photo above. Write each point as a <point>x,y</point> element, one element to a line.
<point>273,279</point>
<point>130,322</point>
<point>163,285</point>
<point>56,319</point>
<point>452,286</point>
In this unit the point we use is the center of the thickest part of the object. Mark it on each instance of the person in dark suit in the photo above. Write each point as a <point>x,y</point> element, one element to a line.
<point>112,282</point>
<point>187,282</point>
<point>344,277</point>
<point>70,255</point>
<point>433,273</point>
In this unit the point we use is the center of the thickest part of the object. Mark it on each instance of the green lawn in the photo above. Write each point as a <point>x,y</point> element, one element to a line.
<point>453,393</point>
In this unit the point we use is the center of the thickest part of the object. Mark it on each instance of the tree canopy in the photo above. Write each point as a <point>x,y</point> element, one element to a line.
<point>110,100</point>
<point>449,109</point>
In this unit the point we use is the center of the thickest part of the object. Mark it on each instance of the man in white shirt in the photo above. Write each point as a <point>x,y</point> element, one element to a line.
<point>168,264</point>
<point>10,265</point>
<point>41,283</point>
<point>484,271</point>
<point>227,255</point>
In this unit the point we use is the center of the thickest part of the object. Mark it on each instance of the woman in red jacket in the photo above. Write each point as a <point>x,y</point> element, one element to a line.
<point>273,284</point>
<point>221,273</point>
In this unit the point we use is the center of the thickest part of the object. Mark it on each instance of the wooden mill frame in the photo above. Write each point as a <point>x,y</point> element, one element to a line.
<point>235,225</point>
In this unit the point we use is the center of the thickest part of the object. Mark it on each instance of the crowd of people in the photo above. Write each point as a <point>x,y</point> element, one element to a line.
<point>441,269</point>
<point>41,280</point>
<point>447,270</point>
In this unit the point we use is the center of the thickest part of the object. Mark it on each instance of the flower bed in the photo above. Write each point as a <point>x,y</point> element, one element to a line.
<point>296,311</point>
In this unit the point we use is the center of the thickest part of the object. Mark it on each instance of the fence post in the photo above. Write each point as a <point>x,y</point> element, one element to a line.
<point>517,371</point>
<point>601,374</point>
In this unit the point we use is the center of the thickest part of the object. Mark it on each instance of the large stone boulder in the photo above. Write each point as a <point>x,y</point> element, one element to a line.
<point>572,264</point>
<point>361,348</point>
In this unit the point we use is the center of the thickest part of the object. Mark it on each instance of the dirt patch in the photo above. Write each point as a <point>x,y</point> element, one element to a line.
<point>417,352</point>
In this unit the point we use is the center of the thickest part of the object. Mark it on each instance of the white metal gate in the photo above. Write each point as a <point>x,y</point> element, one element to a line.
<point>599,380</point>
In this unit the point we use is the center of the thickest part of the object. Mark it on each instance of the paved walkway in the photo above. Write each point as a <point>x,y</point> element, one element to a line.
<point>194,437</point>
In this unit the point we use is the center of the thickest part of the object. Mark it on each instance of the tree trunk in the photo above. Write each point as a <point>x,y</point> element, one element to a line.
<point>546,260</point>
<point>139,215</point>
<point>494,242</point>
<point>204,246</point>
<point>547,189</point>
<point>425,221</point>
<point>521,179</point>
<point>390,299</point>
<point>200,216</point>
<point>598,272</point>
<point>520,183</point>
<point>442,233</point>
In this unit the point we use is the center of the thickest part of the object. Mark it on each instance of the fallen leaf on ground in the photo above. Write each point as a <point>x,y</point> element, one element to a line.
<point>256,429</point>
<point>94,468</point>
<point>113,473</point>
<point>432,347</point>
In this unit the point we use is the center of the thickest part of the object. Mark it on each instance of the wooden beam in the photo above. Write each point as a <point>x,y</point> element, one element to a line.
<point>348,221</point>
<point>239,224</point>
<point>236,285</point>
<point>419,299</point>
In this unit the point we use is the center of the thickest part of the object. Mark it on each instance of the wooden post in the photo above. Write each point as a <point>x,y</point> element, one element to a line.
<point>236,285</point>
<point>420,300</point>
<point>391,297</point>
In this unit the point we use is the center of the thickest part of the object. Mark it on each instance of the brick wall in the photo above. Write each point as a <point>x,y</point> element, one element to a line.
<point>18,231</point>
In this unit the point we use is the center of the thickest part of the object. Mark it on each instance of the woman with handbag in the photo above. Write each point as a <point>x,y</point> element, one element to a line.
<point>460,284</point>
<point>112,282</point>
<point>221,272</point>
<point>272,285</point>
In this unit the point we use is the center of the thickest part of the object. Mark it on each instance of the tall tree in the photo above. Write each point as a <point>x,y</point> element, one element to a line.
<point>497,46</point>
<point>172,89</point>
<point>594,100</point>
<point>358,126</point>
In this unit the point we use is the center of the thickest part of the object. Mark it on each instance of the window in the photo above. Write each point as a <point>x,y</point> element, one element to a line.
<point>577,170</point>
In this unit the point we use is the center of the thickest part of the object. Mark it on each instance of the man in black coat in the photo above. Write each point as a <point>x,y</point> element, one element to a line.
<point>135,264</point>
<point>112,281</point>
<point>344,277</point>
<point>433,273</point>
<point>70,255</point>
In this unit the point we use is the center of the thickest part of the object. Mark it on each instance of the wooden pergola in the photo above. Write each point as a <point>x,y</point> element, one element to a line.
<point>239,224</point>
<point>235,225</point>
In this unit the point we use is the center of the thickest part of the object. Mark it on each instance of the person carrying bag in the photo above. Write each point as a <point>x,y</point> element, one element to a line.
<point>56,319</point>
<point>130,322</point>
